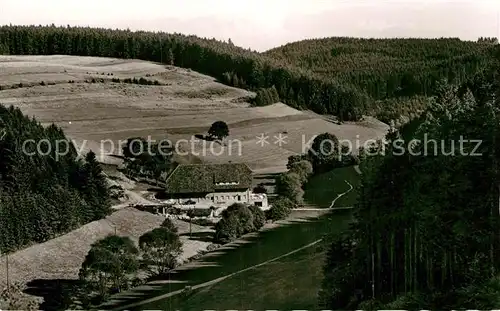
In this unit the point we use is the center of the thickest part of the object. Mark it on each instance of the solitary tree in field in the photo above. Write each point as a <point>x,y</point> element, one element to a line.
<point>219,130</point>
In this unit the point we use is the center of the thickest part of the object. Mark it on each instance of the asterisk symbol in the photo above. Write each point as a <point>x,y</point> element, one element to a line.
<point>280,139</point>
<point>262,140</point>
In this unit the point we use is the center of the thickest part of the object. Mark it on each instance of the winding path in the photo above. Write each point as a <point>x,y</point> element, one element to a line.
<point>342,194</point>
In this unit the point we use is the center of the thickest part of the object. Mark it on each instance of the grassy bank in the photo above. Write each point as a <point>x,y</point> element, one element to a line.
<point>254,250</point>
<point>291,283</point>
<point>323,188</point>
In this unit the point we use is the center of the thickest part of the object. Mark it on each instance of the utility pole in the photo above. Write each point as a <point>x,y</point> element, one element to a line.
<point>190,221</point>
<point>6,269</point>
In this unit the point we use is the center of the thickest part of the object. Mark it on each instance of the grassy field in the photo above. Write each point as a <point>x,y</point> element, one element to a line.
<point>291,283</point>
<point>186,104</point>
<point>62,257</point>
<point>323,188</point>
<point>232,258</point>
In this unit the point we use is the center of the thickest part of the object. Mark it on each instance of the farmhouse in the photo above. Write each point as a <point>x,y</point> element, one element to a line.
<point>213,185</point>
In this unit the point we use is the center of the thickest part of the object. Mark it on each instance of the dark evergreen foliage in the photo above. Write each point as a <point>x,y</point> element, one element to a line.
<point>339,76</point>
<point>42,196</point>
<point>427,232</point>
<point>387,68</point>
<point>228,63</point>
<point>237,220</point>
<point>219,130</point>
<point>266,96</point>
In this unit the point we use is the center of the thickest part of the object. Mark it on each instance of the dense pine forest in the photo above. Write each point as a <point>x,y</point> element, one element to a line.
<point>44,194</point>
<point>341,76</point>
<point>427,234</point>
<point>389,68</point>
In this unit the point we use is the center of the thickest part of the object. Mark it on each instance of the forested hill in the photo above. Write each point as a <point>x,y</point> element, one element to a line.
<point>44,192</point>
<point>389,68</point>
<point>342,76</point>
<point>226,62</point>
<point>427,234</point>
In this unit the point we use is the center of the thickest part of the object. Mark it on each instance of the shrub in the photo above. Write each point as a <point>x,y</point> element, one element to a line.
<point>289,185</point>
<point>212,247</point>
<point>302,168</point>
<point>226,229</point>
<point>260,189</point>
<point>161,248</point>
<point>265,96</point>
<point>199,212</point>
<point>169,225</point>
<point>280,209</point>
<point>259,217</point>
<point>236,221</point>
<point>202,222</point>
<point>14,298</point>
<point>244,217</point>
<point>173,210</point>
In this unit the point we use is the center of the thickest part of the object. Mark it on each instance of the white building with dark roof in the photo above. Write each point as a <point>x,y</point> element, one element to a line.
<point>213,185</point>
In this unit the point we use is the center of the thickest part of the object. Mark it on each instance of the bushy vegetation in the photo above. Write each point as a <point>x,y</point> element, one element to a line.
<point>109,266</point>
<point>427,234</point>
<point>160,248</point>
<point>325,154</point>
<point>44,192</point>
<point>218,130</point>
<point>147,159</point>
<point>113,263</point>
<point>266,96</point>
<point>141,81</point>
<point>237,220</point>
<point>169,225</point>
<point>260,188</point>
<point>199,212</point>
<point>289,188</point>
<point>280,209</point>
<point>289,185</point>
<point>13,298</point>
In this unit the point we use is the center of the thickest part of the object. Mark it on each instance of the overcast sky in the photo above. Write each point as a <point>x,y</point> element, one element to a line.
<point>263,24</point>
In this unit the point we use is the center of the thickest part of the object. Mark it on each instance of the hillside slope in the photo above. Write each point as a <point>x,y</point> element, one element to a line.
<point>388,68</point>
<point>230,64</point>
<point>185,104</point>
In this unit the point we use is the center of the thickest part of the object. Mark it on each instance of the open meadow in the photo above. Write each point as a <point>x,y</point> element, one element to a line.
<point>63,89</point>
<point>258,271</point>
